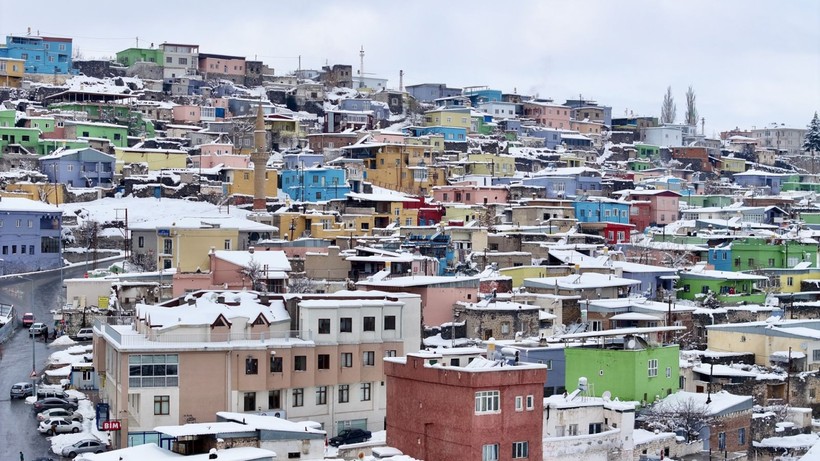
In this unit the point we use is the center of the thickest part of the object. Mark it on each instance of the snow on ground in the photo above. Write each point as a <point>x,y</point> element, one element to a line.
<point>144,209</point>
<point>62,341</point>
<point>86,408</point>
<point>792,441</point>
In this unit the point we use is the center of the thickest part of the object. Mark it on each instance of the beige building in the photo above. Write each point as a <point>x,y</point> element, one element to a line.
<point>771,342</point>
<point>309,357</point>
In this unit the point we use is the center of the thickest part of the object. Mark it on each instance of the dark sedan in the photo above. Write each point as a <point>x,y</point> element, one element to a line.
<point>54,402</point>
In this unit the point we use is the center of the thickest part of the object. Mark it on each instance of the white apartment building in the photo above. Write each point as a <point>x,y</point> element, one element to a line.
<point>180,60</point>
<point>781,138</point>
<point>301,357</point>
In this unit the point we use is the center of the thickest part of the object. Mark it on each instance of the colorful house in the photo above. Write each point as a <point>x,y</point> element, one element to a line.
<point>656,207</point>
<point>753,254</point>
<point>131,56</point>
<point>454,118</point>
<point>155,159</point>
<point>11,72</point>
<point>304,179</point>
<point>42,55</point>
<point>601,209</point>
<point>79,167</point>
<point>29,236</point>
<point>115,134</point>
<point>761,179</point>
<point>727,287</point>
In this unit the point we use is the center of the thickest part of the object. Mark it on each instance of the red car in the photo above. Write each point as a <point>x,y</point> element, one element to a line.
<point>28,319</point>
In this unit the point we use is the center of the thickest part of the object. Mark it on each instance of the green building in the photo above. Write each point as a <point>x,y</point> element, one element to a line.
<point>48,146</point>
<point>117,134</point>
<point>26,138</point>
<point>633,370</point>
<point>112,113</point>
<point>707,201</point>
<point>131,56</point>
<point>648,151</point>
<point>728,287</point>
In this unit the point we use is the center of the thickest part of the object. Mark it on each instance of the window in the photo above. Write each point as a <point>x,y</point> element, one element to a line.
<point>668,372</point>
<point>368,358</point>
<point>596,428</point>
<point>274,399</point>
<point>227,244</point>
<point>162,404</point>
<point>519,403</point>
<point>790,281</point>
<point>365,392</point>
<point>653,368</point>
<point>389,322</point>
<point>323,362</point>
<point>530,402</point>
<point>153,370</point>
<point>347,359</point>
<point>141,242</point>
<point>369,324</point>
<point>390,353</point>
<point>345,325</point>
<point>520,450</point>
<point>300,363</point>
<point>722,441</point>
<point>169,60</point>
<point>298,397</point>
<point>276,364</point>
<point>249,401</point>
<point>489,452</point>
<point>816,355</point>
<point>251,366</point>
<point>487,402</point>
<point>572,430</point>
<point>741,436</point>
<point>324,326</point>
<point>321,395</point>
<point>183,61</point>
<point>344,393</point>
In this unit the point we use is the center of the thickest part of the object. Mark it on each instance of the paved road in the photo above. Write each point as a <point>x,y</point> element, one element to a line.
<point>38,294</point>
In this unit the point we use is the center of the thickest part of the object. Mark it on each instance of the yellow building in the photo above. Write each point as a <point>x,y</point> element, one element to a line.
<point>285,130</point>
<point>11,72</point>
<point>490,165</point>
<point>733,165</point>
<point>53,194</point>
<point>453,118</point>
<point>770,342</point>
<point>432,142</point>
<point>404,168</point>
<point>190,247</point>
<point>156,159</point>
<point>239,181</point>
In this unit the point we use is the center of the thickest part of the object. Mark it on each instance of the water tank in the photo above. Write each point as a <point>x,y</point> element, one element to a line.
<point>582,383</point>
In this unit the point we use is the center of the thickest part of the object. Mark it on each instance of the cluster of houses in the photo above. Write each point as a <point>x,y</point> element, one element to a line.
<point>372,256</point>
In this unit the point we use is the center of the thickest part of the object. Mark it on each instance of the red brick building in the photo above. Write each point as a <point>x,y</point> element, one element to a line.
<point>464,407</point>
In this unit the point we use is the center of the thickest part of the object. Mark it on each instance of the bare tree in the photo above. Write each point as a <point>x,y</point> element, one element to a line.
<point>691,110</point>
<point>255,274</point>
<point>668,109</point>
<point>300,283</point>
<point>684,415</point>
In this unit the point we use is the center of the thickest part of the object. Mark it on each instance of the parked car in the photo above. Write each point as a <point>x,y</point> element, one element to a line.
<point>28,319</point>
<point>349,436</point>
<point>37,329</point>
<point>85,334</point>
<point>54,426</point>
<point>54,402</point>
<point>59,413</point>
<point>46,392</point>
<point>21,390</point>
<point>84,446</point>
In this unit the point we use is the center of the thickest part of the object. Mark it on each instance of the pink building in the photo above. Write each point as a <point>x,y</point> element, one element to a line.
<point>388,137</point>
<point>663,205</point>
<point>463,406</point>
<point>470,194</point>
<point>230,271</point>
<point>213,154</point>
<point>439,294</point>
<point>186,114</point>
<point>548,114</point>
<point>221,64</point>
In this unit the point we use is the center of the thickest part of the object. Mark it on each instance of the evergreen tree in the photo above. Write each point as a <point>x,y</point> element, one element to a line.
<point>668,109</point>
<point>691,110</point>
<point>812,140</point>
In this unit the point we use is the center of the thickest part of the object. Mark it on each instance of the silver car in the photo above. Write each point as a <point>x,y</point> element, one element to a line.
<point>84,446</point>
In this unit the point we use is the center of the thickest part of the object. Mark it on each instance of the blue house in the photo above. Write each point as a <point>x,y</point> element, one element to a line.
<point>761,179</point>
<point>552,357</point>
<point>551,137</point>
<point>481,94</point>
<point>306,180</point>
<point>556,186</point>
<point>43,55</point>
<point>451,134</point>
<point>601,209</point>
<point>429,92</point>
<point>29,236</point>
<point>721,257</point>
<point>85,167</point>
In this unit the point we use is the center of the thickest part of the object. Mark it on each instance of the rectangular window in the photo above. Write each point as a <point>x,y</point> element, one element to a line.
<point>276,364</point>
<point>368,358</point>
<point>227,244</point>
<point>323,362</point>
<point>344,393</point>
<point>141,242</point>
<point>741,436</point>
<point>572,430</point>
<point>790,281</point>
<point>274,399</point>
<point>487,402</point>
<point>369,324</point>
<point>300,363</point>
<point>153,370</point>
<point>365,392</point>
<point>390,353</point>
<point>347,359</point>
<point>345,325</point>
<point>298,397</point>
<point>324,326</point>
<point>251,366</point>
<point>653,368</point>
<point>489,452</point>
<point>520,450</point>
<point>321,395</point>
<point>389,322</point>
<point>249,401</point>
<point>530,402</point>
<point>519,403</point>
<point>722,441</point>
<point>596,428</point>
<point>162,405</point>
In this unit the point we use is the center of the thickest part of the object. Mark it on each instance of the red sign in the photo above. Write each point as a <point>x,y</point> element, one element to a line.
<point>111,425</point>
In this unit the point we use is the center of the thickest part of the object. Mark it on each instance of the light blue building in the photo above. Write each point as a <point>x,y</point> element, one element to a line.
<point>29,236</point>
<point>451,134</point>
<point>761,180</point>
<point>79,167</point>
<point>556,186</point>
<point>551,136</point>
<point>429,92</point>
<point>481,94</point>
<point>43,55</point>
<point>601,210</point>
<point>553,358</point>
<point>721,257</point>
<point>305,179</point>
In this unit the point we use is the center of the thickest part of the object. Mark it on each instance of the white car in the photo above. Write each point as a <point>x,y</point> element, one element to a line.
<point>54,426</point>
<point>59,413</point>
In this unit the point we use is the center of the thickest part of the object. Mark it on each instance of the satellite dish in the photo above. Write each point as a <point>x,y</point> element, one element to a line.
<point>631,343</point>
<point>606,396</point>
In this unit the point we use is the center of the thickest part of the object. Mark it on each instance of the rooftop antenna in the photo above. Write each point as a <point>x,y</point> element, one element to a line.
<point>361,67</point>
<point>401,80</point>
<point>138,42</point>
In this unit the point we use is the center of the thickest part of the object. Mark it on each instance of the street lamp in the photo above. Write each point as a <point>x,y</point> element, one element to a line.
<point>33,338</point>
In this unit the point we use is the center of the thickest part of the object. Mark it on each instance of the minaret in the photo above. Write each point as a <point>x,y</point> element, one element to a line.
<point>259,157</point>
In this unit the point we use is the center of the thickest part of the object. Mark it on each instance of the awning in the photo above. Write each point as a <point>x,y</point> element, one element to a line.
<point>634,316</point>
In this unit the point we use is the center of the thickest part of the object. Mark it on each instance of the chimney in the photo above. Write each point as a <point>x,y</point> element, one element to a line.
<point>250,250</point>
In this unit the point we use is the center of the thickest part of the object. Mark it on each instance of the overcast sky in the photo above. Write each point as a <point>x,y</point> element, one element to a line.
<point>750,62</point>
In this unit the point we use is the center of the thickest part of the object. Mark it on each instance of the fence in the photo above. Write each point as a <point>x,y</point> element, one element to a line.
<point>7,330</point>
